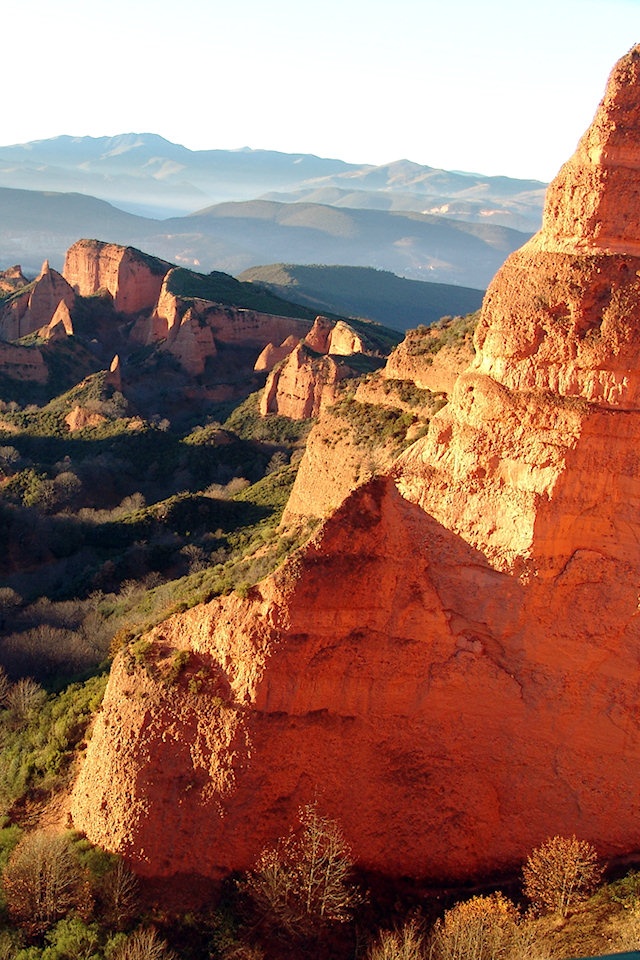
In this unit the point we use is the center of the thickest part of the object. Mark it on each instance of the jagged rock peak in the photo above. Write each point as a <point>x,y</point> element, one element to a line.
<point>563,313</point>
<point>594,201</point>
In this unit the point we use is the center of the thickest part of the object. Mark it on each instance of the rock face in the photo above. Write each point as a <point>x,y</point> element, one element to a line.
<point>132,279</point>
<point>300,387</point>
<point>272,355</point>
<point>305,384</point>
<point>451,666</point>
<point>327,336</point>
<point>61,324</point>
<point>413,361</point>
<point>36,307</point>
<point>190,328</point>
<point>12,279</point>
<point>22,363</point>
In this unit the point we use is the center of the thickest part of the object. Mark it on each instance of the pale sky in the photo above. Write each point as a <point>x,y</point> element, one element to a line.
<point>491,86</point>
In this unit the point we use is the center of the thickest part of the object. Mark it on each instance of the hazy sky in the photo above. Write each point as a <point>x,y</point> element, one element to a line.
<point>494,86</point>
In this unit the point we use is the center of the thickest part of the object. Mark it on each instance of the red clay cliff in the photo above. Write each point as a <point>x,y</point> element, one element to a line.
<point>451,665</point>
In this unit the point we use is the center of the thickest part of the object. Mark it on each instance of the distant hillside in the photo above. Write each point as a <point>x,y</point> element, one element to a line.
<point>409,244</point>
<point>363,292</point>
<point>222,288</point>
<point>235,236</point>
<point>148,175</point>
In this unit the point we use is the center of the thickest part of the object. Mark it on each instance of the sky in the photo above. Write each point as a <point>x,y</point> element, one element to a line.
<point>488,86</point>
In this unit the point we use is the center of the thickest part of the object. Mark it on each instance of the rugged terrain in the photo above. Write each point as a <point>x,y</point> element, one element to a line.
<point>449,666</point>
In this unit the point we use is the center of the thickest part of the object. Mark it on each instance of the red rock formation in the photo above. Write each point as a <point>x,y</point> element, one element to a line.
<point>80,418</point>
<point>300,387</point>
<point>345,341</point>
<point>36,306</point>
<point>438,371</point>
<point>318,337</point>
<point>132,278</point>
<point>451,665</point>
<point>61,324</point>
<point>327,336</point>
<point>271,356</point>
<point>114,374</point>
<point>22,363</point>
<point>189,328</point>
<point>12,279</point>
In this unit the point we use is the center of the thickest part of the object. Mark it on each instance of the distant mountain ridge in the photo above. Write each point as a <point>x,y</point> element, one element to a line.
<point>147,174</point>
<point>38,225</point>
<point>366,293</point>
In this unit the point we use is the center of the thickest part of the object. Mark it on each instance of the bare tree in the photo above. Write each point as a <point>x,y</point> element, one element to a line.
<point>43,881</point>
<point>305,881</point>
<point>145,944</point>
<point>24,697</point>
<point>405,943</point>
<point>119,893</point>
<point>560,873</point>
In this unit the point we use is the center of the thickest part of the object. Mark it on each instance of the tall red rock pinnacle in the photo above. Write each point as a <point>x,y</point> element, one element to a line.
<point>451,665</point>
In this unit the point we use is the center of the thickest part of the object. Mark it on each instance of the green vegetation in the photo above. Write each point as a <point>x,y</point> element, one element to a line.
<point>374,425</point>
<point>448,332</point>
<point>223,288</point>
<point>40,734</point>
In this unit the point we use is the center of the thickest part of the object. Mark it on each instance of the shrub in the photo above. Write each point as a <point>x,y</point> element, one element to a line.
<point>560,873</point>
<point>481,928</point>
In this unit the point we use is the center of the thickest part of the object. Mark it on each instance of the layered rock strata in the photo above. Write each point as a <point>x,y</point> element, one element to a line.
<point>451,666</point>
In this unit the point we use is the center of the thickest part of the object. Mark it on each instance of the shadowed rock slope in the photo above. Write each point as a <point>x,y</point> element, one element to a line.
<point>451,665</point>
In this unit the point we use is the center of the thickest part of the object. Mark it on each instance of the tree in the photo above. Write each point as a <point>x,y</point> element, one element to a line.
<point>481,928</point>
<point>144,944</point>
<point>43,881</point>
<point>119,892</point>
<point>24,697</point>
<point>304,882</point>
<point>561,872</point>
<point>405,943</point>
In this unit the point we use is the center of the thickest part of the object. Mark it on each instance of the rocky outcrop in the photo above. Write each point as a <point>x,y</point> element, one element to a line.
<point>344,341</point>
<point>12,279</point>
<point>79,418</point>
<point>328,336</point>
<point>36,306</point>
<point>114,374</point>
<point>61,325</point>
<point>303,385</point>
<point>22,363</point>
<point>190,328</point>
<point>422,360</point>
<point>131,278</point>
<point>271,356</point>
<point>450,667</point>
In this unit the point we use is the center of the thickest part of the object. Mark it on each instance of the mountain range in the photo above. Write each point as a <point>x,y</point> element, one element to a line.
<point>231,210</point>
<point>148,175</point>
